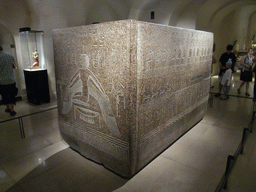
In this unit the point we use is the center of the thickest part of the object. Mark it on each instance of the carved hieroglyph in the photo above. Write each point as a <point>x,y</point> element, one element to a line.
<point>128,89</point>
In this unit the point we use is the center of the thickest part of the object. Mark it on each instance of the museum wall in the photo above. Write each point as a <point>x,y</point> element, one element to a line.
<point>102,10</point>
<point>252,28</point>
<point>241,27</point>
<point>14,14</point>
<point>222,38</point>
<point>188,15</point>
<point>229,27</point>
<point>54,14</point>
<point>246,26</point>
<point>6,39</point>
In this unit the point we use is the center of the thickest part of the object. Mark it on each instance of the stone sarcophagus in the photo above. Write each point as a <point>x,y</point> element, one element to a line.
<point>128,89</point>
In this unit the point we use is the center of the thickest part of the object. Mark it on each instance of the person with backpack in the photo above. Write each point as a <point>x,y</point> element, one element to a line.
<point>228,55</point>
<point>246,71</point>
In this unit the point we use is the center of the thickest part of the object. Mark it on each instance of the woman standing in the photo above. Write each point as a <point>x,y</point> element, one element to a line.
<point>246,71</point>
<point>7,81</point>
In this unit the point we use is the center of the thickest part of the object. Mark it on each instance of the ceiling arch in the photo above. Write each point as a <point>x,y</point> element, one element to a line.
<point>14,14</point>
<point>173,20</point>
<point>252,29</point>
<point>164,10</point>
<point>223,11</point>
<point>97,11</point>
<point>213,12</point>
<point>106,10</point>
<point>187,14</point>
<point>204,11</point>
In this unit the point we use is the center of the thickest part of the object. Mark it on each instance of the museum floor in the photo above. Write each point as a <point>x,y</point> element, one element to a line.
<point>196,162</point>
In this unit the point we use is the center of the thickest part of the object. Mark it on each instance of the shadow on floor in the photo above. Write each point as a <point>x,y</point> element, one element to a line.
<point>69,171</point>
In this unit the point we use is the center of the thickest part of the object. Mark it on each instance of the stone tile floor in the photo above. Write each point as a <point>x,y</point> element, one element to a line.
<point>196,162</point>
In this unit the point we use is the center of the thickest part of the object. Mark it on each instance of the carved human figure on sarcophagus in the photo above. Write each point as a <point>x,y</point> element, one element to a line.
<point>83,85</point>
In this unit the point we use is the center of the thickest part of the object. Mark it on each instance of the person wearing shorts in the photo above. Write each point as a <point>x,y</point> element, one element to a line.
<point>229,55</point>
<point>8,88</point>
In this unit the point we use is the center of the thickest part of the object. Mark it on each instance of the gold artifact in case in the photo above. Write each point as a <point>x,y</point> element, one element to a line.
<point>34,65</point>
<point>32,48</point>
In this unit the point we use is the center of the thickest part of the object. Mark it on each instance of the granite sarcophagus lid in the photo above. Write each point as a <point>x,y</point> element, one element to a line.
<point>128,89</point>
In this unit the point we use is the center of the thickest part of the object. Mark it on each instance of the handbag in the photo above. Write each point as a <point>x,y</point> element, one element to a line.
<point>239,66</point>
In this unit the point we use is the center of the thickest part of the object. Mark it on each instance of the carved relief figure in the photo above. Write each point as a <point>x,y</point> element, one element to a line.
<point>84,85</point>
<point>117,94</point>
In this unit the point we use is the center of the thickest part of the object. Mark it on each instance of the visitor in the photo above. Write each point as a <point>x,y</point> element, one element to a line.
<point>8,88</point>
<point>246,71</point>
<point>228,55</point>
<point>226,79</point>
<point>254,87</point>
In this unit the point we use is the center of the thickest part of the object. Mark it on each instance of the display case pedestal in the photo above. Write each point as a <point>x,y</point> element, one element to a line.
<point>37,86</point>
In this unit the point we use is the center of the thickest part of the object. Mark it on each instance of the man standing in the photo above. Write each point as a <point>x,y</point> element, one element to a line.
<point>229,55</point>
<point>7,81</point>
<point>254,88</point>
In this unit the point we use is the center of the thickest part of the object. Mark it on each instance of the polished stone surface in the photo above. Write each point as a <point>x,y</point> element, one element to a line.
<point>128,89</point>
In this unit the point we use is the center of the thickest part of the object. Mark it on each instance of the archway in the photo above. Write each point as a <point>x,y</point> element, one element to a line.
<point>7,41</point>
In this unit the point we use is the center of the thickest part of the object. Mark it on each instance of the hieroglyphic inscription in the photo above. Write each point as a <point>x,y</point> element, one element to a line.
<point>127,89</point>
<point>179,82</point>
<point>91,75</point>
<point>174,90</point>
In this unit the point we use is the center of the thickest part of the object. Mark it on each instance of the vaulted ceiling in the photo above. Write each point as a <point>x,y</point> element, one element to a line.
<point>206,13</point>
<point>229,20</point>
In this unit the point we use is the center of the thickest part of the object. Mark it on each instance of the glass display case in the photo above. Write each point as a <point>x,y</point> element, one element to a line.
<point>34,65</point>
<point>32,48</point>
